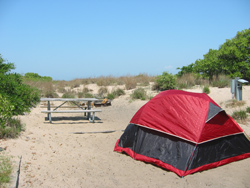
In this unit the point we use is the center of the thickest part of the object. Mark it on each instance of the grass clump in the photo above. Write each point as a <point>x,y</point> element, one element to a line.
<point>139,93</point>
<point>221,81</point>
<point>235,103</point>
<point>68,95</point>
<point>239,115</point>
<point>102,91</point>
<point>11,129</point>
<point>206,89</point>
<point>116,93</point>
<point>186,81</point>
<point>5,170</point>
<point>130,83</point>
<point>85,93</point>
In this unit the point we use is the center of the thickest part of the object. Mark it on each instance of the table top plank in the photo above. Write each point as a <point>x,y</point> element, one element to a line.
<point>70,111</point>
<point>68,99</point>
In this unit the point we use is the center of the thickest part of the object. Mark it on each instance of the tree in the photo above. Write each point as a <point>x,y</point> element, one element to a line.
<point>234,55</point>
<point>15,97</point>
<point>232,58</point>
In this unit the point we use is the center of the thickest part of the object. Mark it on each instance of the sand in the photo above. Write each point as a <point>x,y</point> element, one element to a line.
<point>52,156</point>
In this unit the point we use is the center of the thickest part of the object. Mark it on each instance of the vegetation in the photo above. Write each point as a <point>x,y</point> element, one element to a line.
<point>15,97</point>
<point>68,95</point>
<point>102,91</point>
<point>165,81</point>
<point>248,109</point>
<point>221,81</point>
<point>5,170</point>
<point>139,93</point>
<point>13,127</point>
<point>239,115</point>
<point>36,77</point>
<point>116,93</point>
<point>206,89</point>
<point>234,103</point>
<point>231,59</point>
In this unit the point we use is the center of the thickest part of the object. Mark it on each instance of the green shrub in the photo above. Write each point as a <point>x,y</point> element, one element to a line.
<point>139,93</point>
<point>35,77</point>
<point>165,82</point>
<point>111,96</point>
<point>239,115</point>
<point>206,90</point>
<point>248,109</point>
<point>21,96</point>
<point>5,111</point>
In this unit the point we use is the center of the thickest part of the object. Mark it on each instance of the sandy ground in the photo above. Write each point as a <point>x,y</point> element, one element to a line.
<point>54,157</point>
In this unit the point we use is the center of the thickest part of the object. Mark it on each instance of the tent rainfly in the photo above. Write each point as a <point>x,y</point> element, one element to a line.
<point>183,132</point>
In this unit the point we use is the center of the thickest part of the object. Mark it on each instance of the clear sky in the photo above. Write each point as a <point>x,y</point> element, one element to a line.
<point>69,39</point>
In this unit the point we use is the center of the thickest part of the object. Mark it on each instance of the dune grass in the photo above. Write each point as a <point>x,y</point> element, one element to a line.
<point>5,170</point>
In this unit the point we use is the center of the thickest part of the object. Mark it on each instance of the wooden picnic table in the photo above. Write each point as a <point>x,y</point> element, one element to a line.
<point>77,102</point>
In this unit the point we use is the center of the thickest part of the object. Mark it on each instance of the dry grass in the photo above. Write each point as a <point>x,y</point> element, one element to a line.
<point>189,80</point>
<point>234,103</point>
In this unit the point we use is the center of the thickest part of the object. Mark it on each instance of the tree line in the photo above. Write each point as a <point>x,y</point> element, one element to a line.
<point>232,59</point>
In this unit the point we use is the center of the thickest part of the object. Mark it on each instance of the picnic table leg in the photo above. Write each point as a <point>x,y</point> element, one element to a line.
<point>89,107</point>
<point>93,118</point>
<point>49,114</point>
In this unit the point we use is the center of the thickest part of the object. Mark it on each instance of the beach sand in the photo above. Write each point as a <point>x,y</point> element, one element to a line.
<point>52,156</point>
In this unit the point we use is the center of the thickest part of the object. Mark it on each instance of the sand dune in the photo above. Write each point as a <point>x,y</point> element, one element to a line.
<point>52,156</point>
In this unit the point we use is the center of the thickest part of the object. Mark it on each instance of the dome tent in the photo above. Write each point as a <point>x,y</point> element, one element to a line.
<point>183,132</point>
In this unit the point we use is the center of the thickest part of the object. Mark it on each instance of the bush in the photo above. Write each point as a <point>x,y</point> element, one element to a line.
<point>206,90</point>
<point>139,93</point>
<point>248,109</point>
<point>239,115</point>
<point>5,111</point>
<point>21,96</point>
<point>165,82</point>
<point>118,92</point>
<point>111,96</point>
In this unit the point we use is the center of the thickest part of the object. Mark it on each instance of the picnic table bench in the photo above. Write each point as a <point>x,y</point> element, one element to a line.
<point>86,108</point>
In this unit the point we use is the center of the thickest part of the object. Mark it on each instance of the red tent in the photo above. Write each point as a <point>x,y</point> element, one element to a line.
<point>183,132</point>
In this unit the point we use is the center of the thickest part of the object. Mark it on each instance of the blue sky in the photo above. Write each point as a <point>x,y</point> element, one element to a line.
<point>69,39</point>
